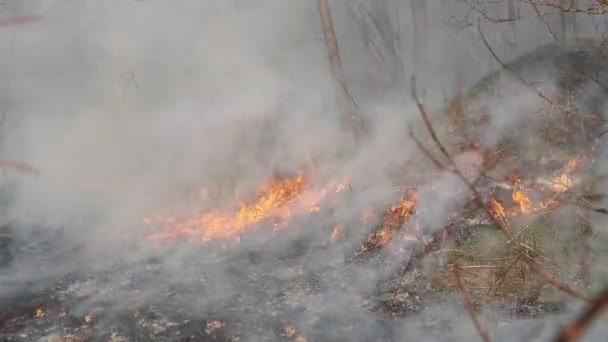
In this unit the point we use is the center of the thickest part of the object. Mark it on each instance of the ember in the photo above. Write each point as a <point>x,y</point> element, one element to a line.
<point>39,313</point>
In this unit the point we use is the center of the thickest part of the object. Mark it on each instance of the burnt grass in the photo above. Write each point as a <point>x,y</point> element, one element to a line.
<point>266,304</point>
<point>266,289</point>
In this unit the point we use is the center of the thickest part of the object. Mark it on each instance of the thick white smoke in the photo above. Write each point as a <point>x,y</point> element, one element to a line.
<point>127,107</point>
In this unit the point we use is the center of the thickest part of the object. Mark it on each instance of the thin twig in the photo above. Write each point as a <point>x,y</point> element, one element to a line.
<point>469,306</point>
<point>425,118</point>
<point>576,329</point>
<point>597,9</point>
<point>529,223</point>
<point>540,17</point>
<point>478,266</point>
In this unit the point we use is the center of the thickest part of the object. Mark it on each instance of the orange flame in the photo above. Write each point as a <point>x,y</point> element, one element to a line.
<point>498,209</point>
<point>564,181</point>
<point>521,199</point>
<point>394,219</point>
<point>558,184</point>
<point>276,202</point>
<point>39,313</point>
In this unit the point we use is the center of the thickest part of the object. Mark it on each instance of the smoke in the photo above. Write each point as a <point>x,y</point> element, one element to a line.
<point>131,107</point>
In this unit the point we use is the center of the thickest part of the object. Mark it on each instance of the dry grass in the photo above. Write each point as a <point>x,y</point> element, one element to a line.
<point>494,272</point>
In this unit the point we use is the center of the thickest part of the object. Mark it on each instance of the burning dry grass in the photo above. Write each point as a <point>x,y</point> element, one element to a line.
<point>277,201</point>
<point>393,220</point>
<point>493,271</point>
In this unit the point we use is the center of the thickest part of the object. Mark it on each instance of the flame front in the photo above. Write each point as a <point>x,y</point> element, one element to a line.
<point>276,202</point>
<point>555,186</point>
<point>280,199</point>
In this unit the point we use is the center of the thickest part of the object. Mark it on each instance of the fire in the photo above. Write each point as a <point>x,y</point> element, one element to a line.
<point>564,181</point>
<point>394,219</point>
<point>39,313</point>
<point>522,200</point>
<point>556,185</point>
<point>89,320</point>
<point>277,201</point>
<point>213,326</point>
<point>524,205</point>
<point>498,209</point>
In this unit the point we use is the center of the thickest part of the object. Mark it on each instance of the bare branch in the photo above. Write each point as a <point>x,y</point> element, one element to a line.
<point>425,118</point>
<point>576,329</point>
<point>426,152</point>
<point>542,19</point>
<point>420,28</point>
<point>345,100</point>
<point>596,9</point>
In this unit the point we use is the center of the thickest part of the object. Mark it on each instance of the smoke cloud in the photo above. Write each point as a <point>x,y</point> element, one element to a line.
<point>130,108</point>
